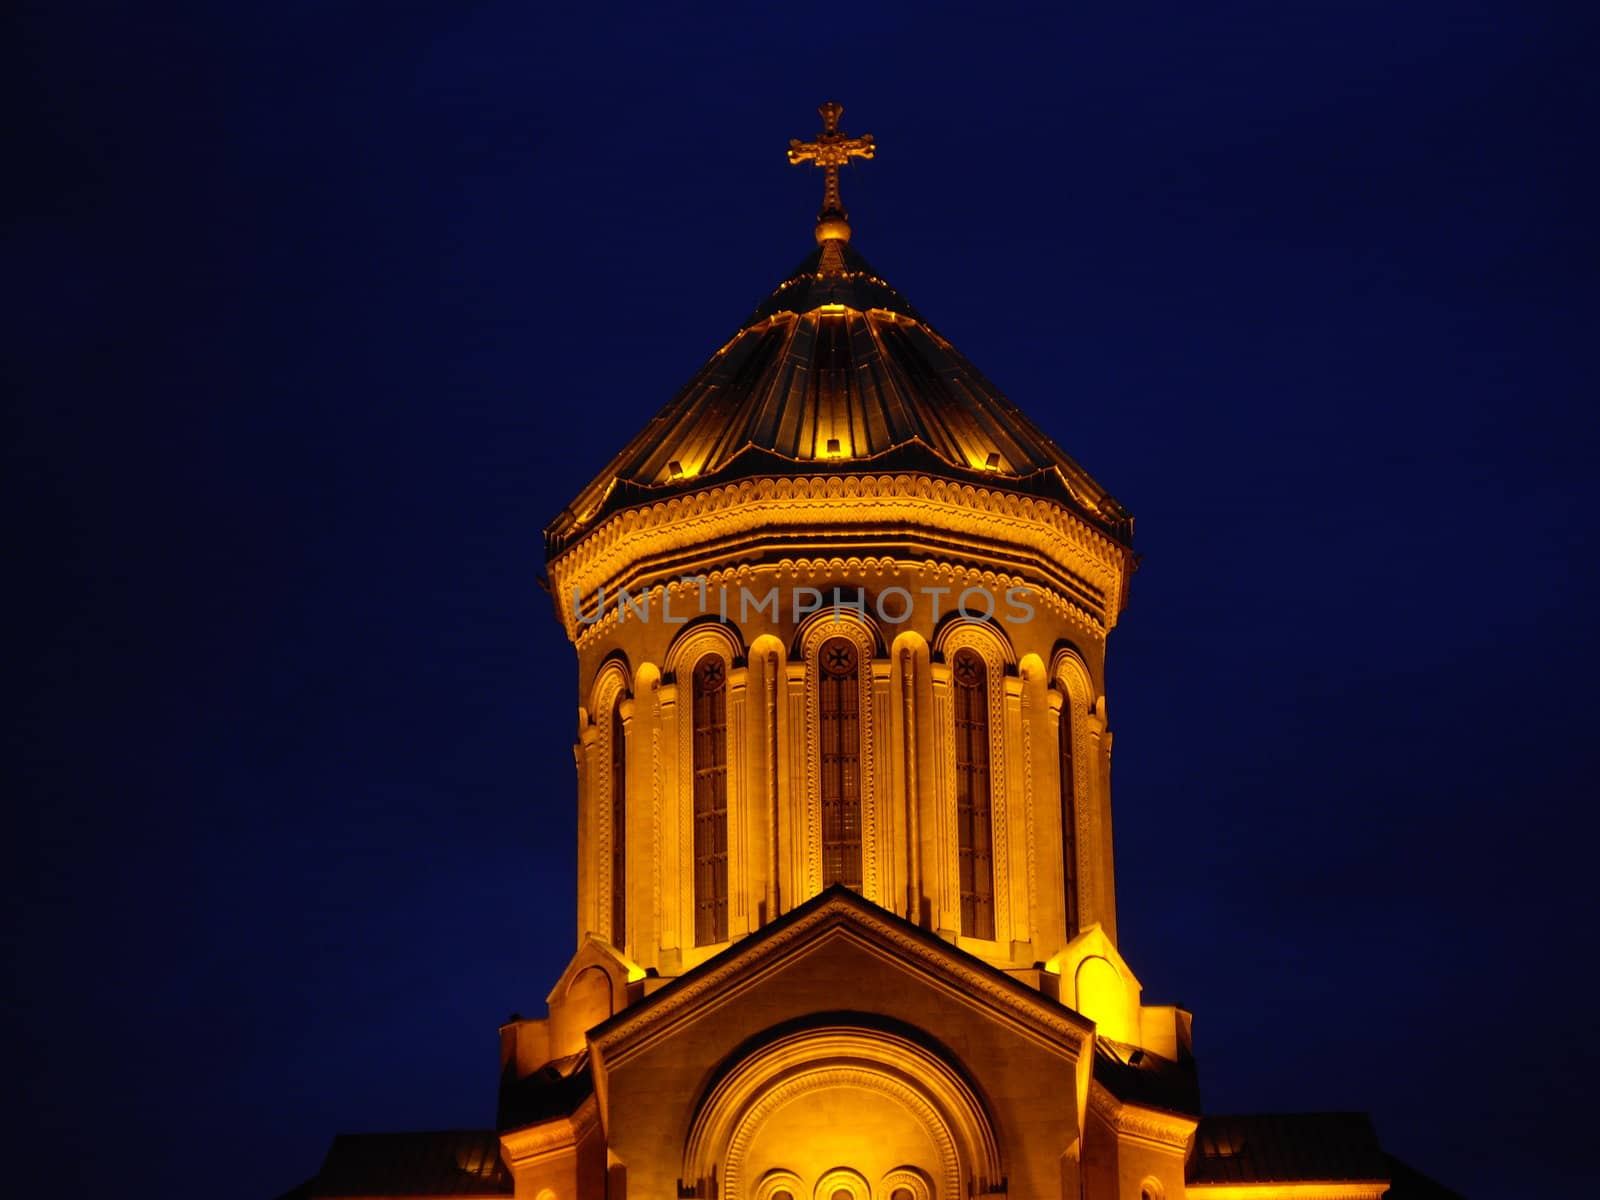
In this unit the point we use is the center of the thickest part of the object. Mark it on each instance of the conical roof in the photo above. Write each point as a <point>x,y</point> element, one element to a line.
<point>835,372</point>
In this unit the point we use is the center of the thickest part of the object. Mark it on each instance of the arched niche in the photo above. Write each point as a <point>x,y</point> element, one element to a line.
<point>833,630</point>
<point>612,678</point>
<point>988,637</point>
<point>771,825</point>
<point>590,994</point>
<point>912,749</point>
<point>779,1184</point>
<point>703,637</point>
<point>1075,776</point>
<point>904,1183</point>
<point>607,751</point>
<point>842,1183</point>
<point>710,654</point>
<point>1104,996</point>
<point>961,642</point>
<point>585,997</point>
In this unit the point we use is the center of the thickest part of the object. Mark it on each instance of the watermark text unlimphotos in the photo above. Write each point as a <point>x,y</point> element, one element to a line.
<point>891,605</point>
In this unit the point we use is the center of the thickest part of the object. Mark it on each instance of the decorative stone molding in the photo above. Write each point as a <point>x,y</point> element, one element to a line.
<point>1134,1122</point>
<point>652,543</point>
<point>842,1178</point>
<point>706,637</point>
<point>913,1180</point>
<point>778,1180</point>
<point>525,1147</point>
<point>850,571</point>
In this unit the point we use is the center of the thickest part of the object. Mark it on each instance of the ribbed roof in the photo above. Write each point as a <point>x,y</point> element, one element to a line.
<point>835,371</point>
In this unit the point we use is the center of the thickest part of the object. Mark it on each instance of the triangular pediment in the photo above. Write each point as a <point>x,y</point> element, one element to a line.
<point>839,922</point>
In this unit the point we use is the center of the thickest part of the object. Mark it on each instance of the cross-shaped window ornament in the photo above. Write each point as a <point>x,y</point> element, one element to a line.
<point>839,657</point>
<point>968,670</point>
<point>709,674</point>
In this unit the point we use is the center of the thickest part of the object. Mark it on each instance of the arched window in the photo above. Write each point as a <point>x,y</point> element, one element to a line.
<point>1069,818</point>
<point>619,826</point>
<point>973,820</point>
<point>839,708</point>
<point>710,801</point>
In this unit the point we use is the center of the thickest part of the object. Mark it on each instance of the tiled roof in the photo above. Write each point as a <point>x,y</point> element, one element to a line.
<point>1286,1148</point>
<point>463,1162</point>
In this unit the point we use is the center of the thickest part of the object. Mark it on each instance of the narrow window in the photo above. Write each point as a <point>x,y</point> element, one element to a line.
<point>619,827</point>
<point>839,702</point>
<point>1069,818</point>
<point>973,820</point>
<point>710,801</point>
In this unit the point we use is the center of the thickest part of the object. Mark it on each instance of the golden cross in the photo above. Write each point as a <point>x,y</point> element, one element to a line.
<point>832,150</point>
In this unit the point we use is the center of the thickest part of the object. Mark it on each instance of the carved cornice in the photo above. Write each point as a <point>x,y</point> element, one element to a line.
<point>871,571</point>
<point>1135,1122</point>
<point>555,1136</point>
<point>651,543</point>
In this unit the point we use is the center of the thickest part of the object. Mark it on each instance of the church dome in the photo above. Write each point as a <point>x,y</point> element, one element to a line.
<point>835,372</point>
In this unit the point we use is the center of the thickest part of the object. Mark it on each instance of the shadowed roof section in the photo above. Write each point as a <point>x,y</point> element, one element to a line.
<point>1287,1148</point>
<point>460,1162</point>
<point>836,372</point>
<point>1131,1073</point>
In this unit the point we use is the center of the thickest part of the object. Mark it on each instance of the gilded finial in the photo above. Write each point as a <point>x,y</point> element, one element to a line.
<point>831,150</point>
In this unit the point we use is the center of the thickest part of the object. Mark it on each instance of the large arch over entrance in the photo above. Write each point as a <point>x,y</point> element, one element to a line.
<point>838,1098</point>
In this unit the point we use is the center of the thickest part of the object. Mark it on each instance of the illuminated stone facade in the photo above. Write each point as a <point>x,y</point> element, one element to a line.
<point>808,548</point>
<point>846,911</point>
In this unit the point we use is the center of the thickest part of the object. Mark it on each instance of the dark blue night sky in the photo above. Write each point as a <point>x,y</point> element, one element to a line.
<point>317,313</point>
